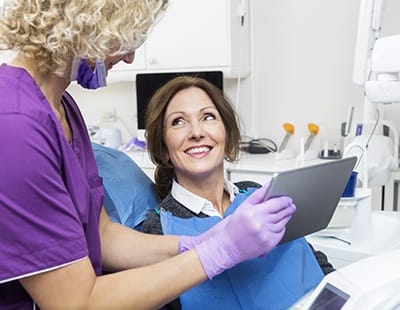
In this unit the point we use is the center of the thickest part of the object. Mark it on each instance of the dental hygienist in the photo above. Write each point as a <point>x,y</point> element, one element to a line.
<point>55,237</point>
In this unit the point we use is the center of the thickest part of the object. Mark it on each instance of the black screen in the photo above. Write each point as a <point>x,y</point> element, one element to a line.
<point>148,83</point>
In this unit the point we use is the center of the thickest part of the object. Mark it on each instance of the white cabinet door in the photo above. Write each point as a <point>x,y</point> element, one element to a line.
<point>192,34</point>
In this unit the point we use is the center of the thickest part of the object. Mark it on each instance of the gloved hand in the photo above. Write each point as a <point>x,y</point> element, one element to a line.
<point>186,243</point>
<point>253,230</point>
<point>189,242</point>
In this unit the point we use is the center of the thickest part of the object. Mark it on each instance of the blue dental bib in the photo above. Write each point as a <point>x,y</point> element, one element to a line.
<point>274,282</point>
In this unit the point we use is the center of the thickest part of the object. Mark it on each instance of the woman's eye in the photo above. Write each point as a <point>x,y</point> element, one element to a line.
<point>209,117</point>
<point>177,122</point>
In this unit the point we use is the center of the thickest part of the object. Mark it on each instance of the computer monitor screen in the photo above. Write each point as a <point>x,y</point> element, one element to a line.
<point>148,83</point>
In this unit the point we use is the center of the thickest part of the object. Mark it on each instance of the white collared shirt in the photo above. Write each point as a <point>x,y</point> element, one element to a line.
<point>197,204</point>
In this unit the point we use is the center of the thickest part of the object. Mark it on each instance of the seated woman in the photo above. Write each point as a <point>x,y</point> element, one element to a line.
<point>191,129</point>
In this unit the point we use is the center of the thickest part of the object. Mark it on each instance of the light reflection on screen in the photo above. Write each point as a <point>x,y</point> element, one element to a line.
<point>330,298</point>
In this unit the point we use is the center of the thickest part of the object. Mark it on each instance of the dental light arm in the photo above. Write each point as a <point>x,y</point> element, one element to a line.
<point>384,84</point>
<point>376,60</point>
<point>377,69</point>
<point>369,25</point>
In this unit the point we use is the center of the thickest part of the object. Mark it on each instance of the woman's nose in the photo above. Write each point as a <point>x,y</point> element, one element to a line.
<point>197,130</point>
<point>128,58</point>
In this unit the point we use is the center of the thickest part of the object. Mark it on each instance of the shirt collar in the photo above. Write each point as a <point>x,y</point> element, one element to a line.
<point>197,204</point>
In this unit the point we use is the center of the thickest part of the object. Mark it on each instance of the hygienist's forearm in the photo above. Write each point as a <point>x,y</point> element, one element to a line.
<point>148,287</point>
<point>124,248</point>
<point>75,286</point>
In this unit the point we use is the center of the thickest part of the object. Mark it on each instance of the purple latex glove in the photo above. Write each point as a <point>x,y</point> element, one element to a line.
<point>189,242</point>
<point>253,230</point>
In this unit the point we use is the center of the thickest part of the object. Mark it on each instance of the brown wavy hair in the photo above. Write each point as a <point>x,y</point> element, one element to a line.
<point>154,118</point>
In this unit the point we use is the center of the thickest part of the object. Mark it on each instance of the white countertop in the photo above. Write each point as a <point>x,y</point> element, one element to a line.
<point>268,163</point>
<point>336,242</point>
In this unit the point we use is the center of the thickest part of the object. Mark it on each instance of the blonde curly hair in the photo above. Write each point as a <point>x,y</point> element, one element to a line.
<point>53,32</point>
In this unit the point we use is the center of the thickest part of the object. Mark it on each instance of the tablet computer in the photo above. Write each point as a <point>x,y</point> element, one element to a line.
<point>315,190</point>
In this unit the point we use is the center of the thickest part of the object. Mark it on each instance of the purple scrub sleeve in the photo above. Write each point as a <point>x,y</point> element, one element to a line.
<point>50,191</point>
<point>40,225</point>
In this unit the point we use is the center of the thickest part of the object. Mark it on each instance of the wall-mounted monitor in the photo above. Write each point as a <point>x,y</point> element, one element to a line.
<point>148,83</point>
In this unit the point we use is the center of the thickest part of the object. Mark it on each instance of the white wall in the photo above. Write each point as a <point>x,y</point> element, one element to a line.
<point>302,64</point>
<point>303,53</point>
<point>302,58</point>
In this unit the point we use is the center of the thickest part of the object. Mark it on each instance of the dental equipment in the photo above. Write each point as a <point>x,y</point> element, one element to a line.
<point>371,283</point>
<point>349,122</point>
<point>377,69</point>
<point>289,129</point>
<point>313,129</point>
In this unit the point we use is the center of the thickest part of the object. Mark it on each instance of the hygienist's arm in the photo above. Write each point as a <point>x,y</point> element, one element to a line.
<point>124,248</point>
<point>76,286</point>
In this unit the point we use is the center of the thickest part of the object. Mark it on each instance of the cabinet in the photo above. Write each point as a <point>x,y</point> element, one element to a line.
<point>194,35</point>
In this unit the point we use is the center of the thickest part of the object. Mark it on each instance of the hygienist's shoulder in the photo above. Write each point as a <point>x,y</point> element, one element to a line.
<point>22,101</point>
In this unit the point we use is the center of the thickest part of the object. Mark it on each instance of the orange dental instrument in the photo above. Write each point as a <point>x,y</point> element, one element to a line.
<point>313,129</point>
<point>289,129</point>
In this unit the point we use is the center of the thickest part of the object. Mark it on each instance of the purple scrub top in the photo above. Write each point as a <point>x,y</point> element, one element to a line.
<point>50,190</point>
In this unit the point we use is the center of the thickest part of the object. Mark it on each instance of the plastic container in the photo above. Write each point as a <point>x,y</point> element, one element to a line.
<point>350,188</point>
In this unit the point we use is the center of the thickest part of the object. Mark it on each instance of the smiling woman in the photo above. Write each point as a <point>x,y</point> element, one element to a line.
<point>194,135</point>
<point>191,129</point>
<point>193,109</point>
